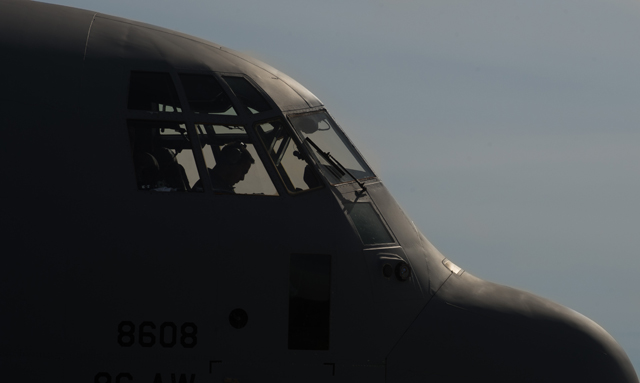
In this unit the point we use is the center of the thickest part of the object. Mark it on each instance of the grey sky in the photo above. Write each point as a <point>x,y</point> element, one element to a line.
<point>507,129</point>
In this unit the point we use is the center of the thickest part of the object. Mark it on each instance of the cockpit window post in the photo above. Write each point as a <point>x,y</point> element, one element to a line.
<point>248,94</point>
<point>220,120</point>
<point>293,167</point>
<point>210,116</point>
<point>233,161</point>
<point>195,139</point>
<point>162,143</point>
<point>162,156</point>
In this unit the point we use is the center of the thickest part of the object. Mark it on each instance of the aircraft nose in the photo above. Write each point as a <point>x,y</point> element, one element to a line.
<point>476,331</point>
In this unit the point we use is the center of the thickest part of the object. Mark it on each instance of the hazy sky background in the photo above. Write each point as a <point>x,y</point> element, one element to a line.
<point>508,130</point>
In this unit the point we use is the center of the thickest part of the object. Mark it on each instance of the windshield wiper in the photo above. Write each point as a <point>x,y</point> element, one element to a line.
<point>336,166</point>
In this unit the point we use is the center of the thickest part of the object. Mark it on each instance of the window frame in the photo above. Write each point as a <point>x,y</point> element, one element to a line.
<point>347,141</point>
<point>296,139</point>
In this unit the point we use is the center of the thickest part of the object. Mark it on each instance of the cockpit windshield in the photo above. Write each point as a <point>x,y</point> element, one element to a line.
<point>322,137</point>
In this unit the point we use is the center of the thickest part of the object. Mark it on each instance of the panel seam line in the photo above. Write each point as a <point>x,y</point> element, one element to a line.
<point>86,43</point>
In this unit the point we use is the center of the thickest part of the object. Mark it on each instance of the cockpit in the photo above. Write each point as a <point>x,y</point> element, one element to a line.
<point>220,133</point>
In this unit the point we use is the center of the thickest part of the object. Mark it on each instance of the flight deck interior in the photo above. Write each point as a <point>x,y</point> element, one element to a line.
<point>168,157</point>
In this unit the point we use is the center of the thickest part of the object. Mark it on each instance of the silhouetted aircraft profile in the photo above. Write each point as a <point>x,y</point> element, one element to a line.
<point>175,211</point>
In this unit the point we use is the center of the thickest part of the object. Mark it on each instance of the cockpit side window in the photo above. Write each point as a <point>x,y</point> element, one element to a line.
<point>290,162</point>
<point>153,92</point>
<point>206,96</point>
<point>232,161</point>
<point>202,144</point>
<point>338,159</point>
<point>162,156</point>
<point>368,224</point>
<point>247,94</point>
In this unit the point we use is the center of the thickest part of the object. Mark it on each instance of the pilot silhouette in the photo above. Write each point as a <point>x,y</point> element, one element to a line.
<point>233,164</point>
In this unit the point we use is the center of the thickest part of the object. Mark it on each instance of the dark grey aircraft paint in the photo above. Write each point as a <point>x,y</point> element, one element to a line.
<point>175,211</point>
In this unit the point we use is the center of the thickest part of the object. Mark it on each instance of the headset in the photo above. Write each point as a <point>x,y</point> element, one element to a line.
<point>234,153</point>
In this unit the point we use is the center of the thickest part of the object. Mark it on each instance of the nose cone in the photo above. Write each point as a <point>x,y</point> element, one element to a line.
<point>477,331</point>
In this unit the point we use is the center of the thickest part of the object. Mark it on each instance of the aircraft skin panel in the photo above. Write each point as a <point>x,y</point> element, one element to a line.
<point>485,319</point>
<point>474,328</point>
<point>273,73</point>
<point>42,54</point>
<point>311,100</point>
<point>123,40</point>
<point>113,39</point>
<point>423,257</point>
<point>44,29</point>
<point>118,40</point>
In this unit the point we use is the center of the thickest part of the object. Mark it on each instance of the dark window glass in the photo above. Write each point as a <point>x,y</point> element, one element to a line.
<point>247,94</point>
<point>205,95</point>
<point>370,228</point>
<point>309,301</point>
<point>153,92</point>
<point>162,156</point>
